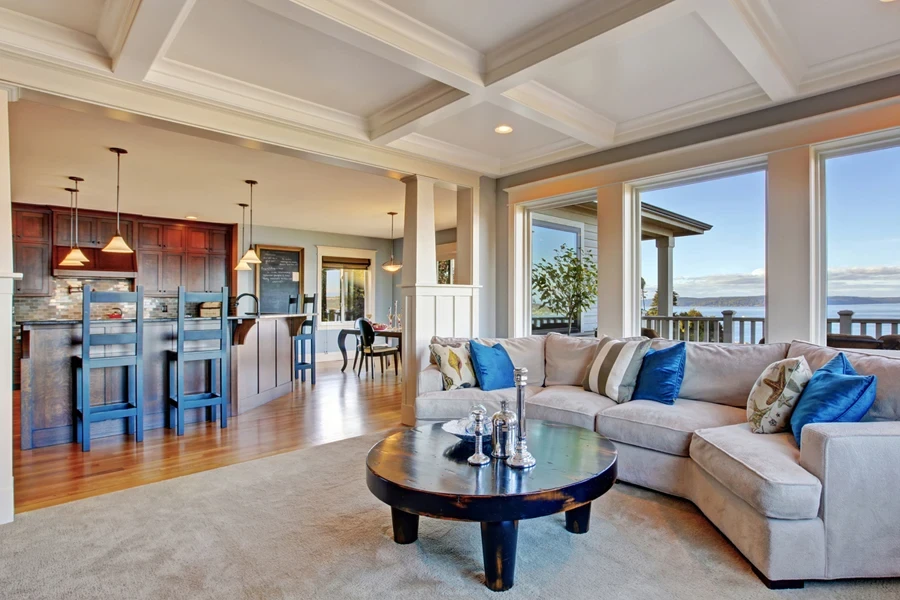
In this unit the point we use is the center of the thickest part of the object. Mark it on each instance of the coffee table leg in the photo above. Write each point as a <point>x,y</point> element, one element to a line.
<point>578,520</point>
<point>406,526</point>
<point>498,545</point>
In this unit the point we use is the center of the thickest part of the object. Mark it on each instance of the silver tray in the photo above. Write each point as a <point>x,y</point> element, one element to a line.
<point>458,428</point>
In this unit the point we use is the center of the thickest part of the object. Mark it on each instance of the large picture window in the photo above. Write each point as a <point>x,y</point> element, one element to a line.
<point>862,210</point>
<point>344,288</point>
<point>551,233</point>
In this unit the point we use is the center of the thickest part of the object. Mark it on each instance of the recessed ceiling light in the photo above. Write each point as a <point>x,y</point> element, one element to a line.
<point>503,129</point>
<point>191,217</point>
<point>886,1</point>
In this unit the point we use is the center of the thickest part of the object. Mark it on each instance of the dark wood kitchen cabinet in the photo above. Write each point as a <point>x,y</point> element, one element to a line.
<point>159,236</point>
<point>93,232</point>
<point>206,272</point>
<point>33,262</point>
<point>31,226</point>
<point>160,272</point>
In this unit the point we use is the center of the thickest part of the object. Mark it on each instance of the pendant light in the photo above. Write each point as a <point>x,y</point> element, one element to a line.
<point>390,266</point>
<point>70,261</point>
<point>75,253</point>
<point>118,244</point>
<point>242,264</point>
<point>250,255</point>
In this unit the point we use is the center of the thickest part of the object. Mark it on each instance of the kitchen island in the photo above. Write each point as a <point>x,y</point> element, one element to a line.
<point>261,363</point>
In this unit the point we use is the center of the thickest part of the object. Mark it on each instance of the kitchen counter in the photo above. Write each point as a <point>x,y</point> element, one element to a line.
<point>261,361</point>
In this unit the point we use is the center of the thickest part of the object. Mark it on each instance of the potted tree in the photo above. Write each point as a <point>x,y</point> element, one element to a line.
<point>567,284</point>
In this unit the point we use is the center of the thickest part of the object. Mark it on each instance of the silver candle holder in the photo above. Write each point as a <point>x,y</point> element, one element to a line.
<point>521,458</point>
<point>503,431</point>
<point>479,458</point>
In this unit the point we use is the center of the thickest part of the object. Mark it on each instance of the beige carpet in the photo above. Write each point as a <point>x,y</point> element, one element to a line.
<point>304,525</point>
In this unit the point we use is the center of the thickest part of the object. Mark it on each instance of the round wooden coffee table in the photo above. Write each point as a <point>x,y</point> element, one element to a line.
<point>423,472</point>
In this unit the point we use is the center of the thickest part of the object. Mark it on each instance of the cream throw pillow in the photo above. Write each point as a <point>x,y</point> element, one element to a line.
<point>455,365</point>
<point>775,394</point>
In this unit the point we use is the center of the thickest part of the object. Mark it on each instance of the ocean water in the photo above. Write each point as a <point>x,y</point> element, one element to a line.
<point>860,311</point>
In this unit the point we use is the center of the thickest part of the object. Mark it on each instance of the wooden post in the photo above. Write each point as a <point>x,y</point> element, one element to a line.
<point>846,327</point>
<point>665,282</point>
<point>6,302</point>
<point>727,326</point>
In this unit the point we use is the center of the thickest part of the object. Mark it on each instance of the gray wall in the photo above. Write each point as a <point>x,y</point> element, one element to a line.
<point>308,240</point>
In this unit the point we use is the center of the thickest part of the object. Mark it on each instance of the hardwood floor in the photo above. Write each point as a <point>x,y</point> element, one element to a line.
<point>339,407</point>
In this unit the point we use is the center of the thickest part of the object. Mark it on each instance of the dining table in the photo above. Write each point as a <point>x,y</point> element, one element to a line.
<point>391,333</point>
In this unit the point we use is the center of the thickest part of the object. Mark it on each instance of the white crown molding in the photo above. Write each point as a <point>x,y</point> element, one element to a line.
<point>115,22</point>
<point>486,163</point>
<point>234,94</point>
<point>44,40</point>
<point>425,106</point>
<point>13,93</point>
<point>390,34</point>
<point>718,106</point>
<point>756,40</point>
<point>868,64</point>
<point>552,109</point>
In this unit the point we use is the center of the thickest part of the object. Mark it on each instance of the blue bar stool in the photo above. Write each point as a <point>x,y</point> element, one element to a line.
<point>307,335</point>
<point>132,407</point>
<point>219,364</point>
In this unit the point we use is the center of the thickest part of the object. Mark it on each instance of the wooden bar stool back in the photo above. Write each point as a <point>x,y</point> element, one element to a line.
<point>217,359</point>
<point>305,342</point>
<point>131,407</point>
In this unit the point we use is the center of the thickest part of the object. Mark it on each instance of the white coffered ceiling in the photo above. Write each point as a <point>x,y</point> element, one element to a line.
<point>432,78</point>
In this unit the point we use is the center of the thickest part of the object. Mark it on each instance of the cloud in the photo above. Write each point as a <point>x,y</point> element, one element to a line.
<point>846,281</point>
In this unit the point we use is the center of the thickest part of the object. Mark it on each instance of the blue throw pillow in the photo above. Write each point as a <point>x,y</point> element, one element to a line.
<point>661,374</point>
<point>493,367</point>
<point>834,395</point>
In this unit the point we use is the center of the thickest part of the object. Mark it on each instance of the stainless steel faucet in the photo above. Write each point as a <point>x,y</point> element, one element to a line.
<point>238,299</point>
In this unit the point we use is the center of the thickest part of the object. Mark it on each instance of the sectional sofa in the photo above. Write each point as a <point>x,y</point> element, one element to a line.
<point>828,511</point>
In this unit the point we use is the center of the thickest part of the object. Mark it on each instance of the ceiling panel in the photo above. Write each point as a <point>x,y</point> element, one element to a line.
<point>483,25</point>
<point>242,41</point>
<point>80,15</point>
<point>823,31</point>
<point>474,129</point>
<point>671,65</point>
<point>169,174</point>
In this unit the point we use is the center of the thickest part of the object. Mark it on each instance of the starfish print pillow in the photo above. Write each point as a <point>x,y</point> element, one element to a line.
<point>775,394</point>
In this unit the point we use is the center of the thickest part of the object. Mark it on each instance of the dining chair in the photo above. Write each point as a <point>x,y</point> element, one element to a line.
<point>369,350</point>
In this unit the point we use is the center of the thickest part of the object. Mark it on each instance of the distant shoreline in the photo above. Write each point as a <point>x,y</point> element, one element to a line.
<point>760,301</point>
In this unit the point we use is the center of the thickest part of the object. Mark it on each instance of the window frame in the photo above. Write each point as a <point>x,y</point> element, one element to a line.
<point>370,285</point>
<point>539,219</point>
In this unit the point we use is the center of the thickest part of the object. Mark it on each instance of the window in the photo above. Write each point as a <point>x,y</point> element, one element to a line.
<point>346,287</point>
<point>446,271</point>
<point>862,210</point>
<point>549,234</point>
<point>703,241</point>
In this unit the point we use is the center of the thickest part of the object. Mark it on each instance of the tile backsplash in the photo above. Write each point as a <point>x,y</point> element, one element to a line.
<point>64,305</point>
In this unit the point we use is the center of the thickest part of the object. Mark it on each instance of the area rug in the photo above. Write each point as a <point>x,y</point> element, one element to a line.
<point>304,525</point>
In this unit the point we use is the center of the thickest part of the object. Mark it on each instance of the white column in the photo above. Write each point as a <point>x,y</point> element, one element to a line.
<point>664,262</point>
<point>795,270</point>
<point>419,271</point>
<point>6,326</point>
<point>618,264</point>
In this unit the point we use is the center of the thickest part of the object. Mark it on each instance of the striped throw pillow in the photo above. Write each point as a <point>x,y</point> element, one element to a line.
<point>614,370</point>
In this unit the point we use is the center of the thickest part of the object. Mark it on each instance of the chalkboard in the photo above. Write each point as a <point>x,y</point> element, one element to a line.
<point>278,278</point>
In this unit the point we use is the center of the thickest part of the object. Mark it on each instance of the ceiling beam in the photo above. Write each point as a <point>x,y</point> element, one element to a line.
<point>136,33</point>
<point>539,103</point>
<point>750,30</point>
<point>431,104</point>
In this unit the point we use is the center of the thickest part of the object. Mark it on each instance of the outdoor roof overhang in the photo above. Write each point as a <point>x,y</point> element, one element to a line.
<point>661,223</point>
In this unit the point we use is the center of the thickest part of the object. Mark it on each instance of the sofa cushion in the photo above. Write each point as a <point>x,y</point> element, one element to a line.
<point>775,393</point>
<point>614,370</point>
<point>885,368</point>
<point>762,470</point>
<point>567,404</point>
<point>724,373</point>
<point>455,404</point>
<point>525,352</point>
<point>661,374</point>
<point>493,367</point>
<point>568,358</point>
<point>663,427</point>
<point>453,342</point>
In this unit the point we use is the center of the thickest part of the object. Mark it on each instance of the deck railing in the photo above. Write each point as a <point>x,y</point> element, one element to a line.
<point>727,328</point>
<point>845,324</point>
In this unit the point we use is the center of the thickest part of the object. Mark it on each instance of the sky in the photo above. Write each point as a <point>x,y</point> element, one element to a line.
<point>863,230</point>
